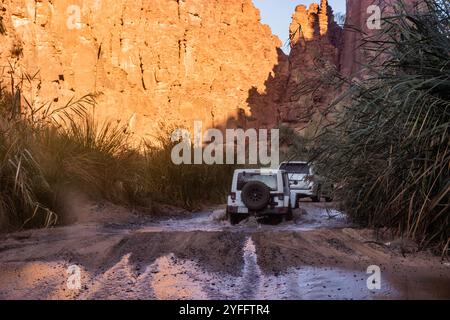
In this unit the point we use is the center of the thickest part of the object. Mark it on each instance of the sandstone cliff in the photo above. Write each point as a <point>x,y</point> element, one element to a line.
<point>146,61</point>
<point>358,25</point>
<point>302,85</point>
<point>315,45</point>
<point>176,61</point>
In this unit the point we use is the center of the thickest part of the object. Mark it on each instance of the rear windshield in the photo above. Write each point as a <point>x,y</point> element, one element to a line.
<point>299,168</point>
<point>267,179</point>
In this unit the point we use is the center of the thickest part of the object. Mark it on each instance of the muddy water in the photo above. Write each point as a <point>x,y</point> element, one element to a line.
<point>310,217</point>
<point>319,255</point>
<point>182,279</point>
<point>173,278</point>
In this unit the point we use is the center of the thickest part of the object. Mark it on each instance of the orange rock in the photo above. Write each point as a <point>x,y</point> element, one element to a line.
<point>161,60</point>
<point>179,61</point>
<point>298,89</point>
<point>357,27</point>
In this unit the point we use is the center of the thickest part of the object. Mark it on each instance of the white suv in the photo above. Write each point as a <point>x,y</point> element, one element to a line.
<point>305,183</point>
<point>261,192</point>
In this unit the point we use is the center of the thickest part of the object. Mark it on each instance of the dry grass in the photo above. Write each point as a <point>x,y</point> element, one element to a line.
<point>388,150</point>
<point>46,152</point>
<point>183,185</point>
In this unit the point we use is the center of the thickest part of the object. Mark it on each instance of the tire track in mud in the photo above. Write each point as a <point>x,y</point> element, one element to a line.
<point>252,275</point>
<point>312,258</point>
<point>170,277</point>
<point>120,282</point>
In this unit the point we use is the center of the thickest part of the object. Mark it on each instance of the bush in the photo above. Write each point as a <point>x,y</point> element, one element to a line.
<point>45,155</point>
<point>388,150</point>
<point>183,185</point>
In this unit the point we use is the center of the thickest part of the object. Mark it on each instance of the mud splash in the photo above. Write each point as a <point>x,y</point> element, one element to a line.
<point>309,217</point>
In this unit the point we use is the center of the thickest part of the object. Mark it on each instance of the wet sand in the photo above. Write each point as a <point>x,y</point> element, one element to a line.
<point>200,256</point>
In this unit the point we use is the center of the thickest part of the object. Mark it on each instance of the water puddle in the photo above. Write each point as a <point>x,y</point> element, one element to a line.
<point>205,221</point>
<point>174,278</point>
<point>309,283</point>
<point>310,217</point>
<point>314,216</point>
<point>252,277</point>
<point>178,279</point>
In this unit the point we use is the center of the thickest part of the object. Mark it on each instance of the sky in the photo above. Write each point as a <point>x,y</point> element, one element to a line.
<point>277,13</point>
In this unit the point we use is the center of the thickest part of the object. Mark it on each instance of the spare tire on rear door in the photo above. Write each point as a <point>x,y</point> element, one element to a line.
<point>255,195</point>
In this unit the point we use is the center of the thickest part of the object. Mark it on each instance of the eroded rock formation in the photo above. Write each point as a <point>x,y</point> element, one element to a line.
<point>147,61</point>
<point>302,83</point>
<point>359,24</point>
<point>176,61</point>
<point>315,45</point>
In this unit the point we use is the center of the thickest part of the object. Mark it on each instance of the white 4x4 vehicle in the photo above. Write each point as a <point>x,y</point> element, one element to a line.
<point>261,192</point>
<point>305,183</point>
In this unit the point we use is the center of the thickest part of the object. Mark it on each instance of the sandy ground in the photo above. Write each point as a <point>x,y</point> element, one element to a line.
<point>200,256</point>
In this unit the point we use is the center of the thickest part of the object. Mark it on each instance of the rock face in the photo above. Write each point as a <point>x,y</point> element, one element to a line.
<point>301,86</point>
<point>303,83</point>
<point>147,61</point>
<point>315,45</point>
<point>359,23</point>
<point>176,61</point>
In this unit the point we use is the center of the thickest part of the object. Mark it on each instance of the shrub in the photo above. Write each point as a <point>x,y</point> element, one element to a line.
<point>46,153</point>
<point>388,150</point>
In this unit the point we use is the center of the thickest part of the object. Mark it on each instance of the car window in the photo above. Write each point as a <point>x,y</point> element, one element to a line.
<point>267,179</point>
<point>299,168</point>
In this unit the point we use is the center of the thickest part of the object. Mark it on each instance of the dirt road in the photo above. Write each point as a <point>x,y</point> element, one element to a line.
<point>317,256</point>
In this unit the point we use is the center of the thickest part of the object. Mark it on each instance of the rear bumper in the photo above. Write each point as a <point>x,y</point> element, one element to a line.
<point>302,192</point>
<point>267,211</point>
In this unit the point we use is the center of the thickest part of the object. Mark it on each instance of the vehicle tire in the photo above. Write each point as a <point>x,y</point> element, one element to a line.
<point>275,219</point>
<point>255,195</point>
<point>297,203</point>
<point>290,215</point>
<point>318,196</point>
<point>235,218</point>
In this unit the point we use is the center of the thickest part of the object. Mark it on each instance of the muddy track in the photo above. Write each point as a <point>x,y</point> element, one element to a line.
<point>317,256</point>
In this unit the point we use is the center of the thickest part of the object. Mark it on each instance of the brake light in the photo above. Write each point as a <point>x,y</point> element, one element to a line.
<point>233,196</point>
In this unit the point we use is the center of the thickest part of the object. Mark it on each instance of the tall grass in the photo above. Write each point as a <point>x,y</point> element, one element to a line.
<point>47,152</point>
<point>388,149</point>
<point>293,145</point>
<point>183,185</point>
<point>20,178</point>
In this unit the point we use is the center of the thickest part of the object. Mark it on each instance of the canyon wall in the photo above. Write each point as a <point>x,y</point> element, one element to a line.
<point>316,41</point>
<point>359,24</point>
<point>302,85</point>
<point>148,61</point>
<point>176,61</point>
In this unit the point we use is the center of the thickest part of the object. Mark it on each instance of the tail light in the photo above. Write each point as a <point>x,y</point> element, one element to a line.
<point>233,196</point>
